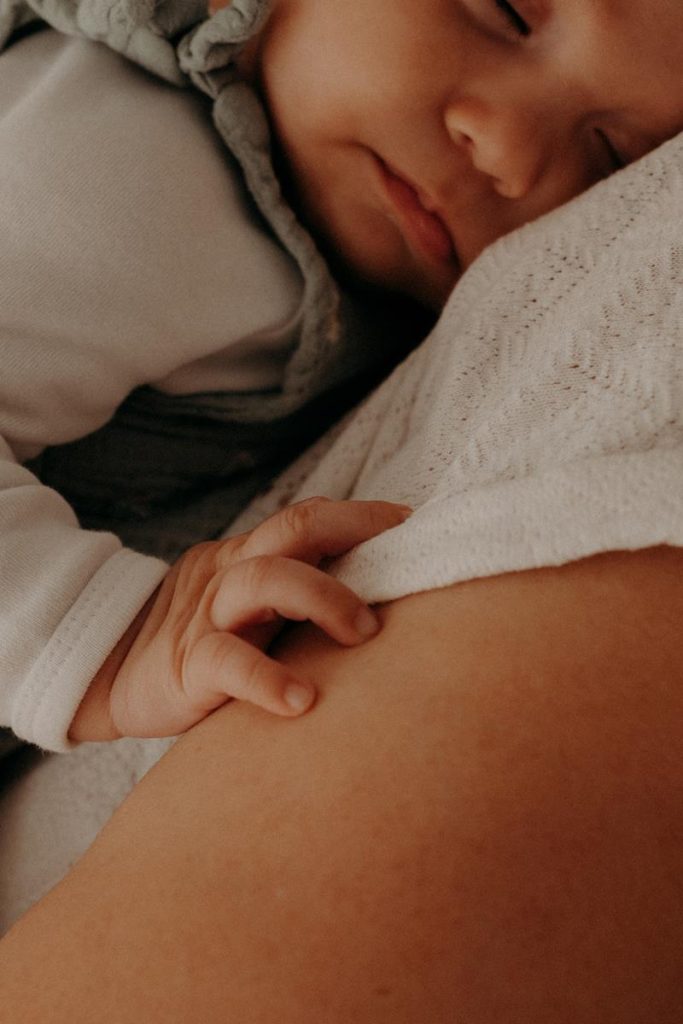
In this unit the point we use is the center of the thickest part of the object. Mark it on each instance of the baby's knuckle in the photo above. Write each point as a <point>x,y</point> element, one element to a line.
<point>225,662</point>
<point>199,562</point>
<point>215,659</point>
<point>321,588</point>
<point>201,552</point>
<point>259,572</point>
<point>301,519</point>
<point>231,550</point>
<point>375,516</point>
<point>259,677</point>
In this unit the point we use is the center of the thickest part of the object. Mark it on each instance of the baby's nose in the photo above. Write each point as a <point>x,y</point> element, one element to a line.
<point>504,145</point>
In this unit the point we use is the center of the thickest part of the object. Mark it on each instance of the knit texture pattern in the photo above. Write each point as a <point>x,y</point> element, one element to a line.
<point>542,420</point>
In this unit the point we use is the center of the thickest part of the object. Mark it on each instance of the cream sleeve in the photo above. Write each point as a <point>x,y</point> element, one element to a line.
<point>67,596</point>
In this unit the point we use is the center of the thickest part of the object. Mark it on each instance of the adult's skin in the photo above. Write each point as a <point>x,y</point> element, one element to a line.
<point>479,821</point>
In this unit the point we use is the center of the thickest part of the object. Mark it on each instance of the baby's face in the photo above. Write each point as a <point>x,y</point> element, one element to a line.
<point>413,134</point>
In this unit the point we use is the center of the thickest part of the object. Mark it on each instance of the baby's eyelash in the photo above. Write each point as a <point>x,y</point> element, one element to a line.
<point>514,17</point>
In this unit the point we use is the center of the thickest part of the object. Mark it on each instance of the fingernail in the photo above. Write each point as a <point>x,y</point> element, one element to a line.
<point>406,510</point>
<point>298,697</point>
<point>366,623</point>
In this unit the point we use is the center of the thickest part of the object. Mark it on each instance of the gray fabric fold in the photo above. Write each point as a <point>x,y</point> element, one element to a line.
<point>170,470</point>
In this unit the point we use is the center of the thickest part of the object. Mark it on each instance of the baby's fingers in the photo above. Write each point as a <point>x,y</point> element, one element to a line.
<point>250,592</point>
<point>318,528</point>
<point>222,665</point>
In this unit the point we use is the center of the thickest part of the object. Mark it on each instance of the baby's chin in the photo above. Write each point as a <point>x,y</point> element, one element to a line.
<point>432,295</point>
<point>362,269</point>
<point>429,293</point>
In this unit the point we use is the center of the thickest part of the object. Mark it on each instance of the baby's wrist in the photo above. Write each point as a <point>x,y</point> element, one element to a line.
<point>93,721</point>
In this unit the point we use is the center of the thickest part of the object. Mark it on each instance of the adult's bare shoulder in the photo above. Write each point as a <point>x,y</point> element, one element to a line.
<point>618,611</point>
<point>480,821</point>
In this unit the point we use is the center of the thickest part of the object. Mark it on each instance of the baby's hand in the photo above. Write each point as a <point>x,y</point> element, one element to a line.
<point>200,639</point>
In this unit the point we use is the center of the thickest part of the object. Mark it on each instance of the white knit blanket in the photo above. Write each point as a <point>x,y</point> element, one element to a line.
<point>541,422</point>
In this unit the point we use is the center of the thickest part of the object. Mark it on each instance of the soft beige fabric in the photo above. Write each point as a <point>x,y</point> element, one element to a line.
<point>541,422</point>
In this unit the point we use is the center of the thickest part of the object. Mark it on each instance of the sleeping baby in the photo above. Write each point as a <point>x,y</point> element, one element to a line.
<point>191,277</point>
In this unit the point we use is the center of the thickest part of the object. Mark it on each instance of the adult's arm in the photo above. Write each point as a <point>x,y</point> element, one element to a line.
<point>479,822</point>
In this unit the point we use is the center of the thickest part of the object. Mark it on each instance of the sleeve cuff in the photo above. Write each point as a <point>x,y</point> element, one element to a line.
<point>49,698</point>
